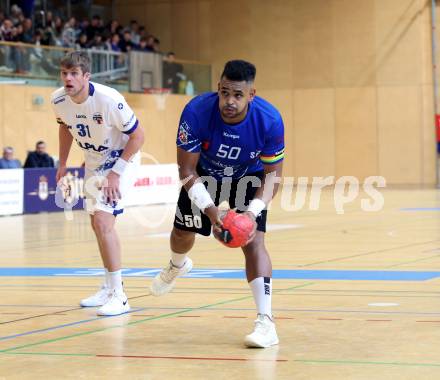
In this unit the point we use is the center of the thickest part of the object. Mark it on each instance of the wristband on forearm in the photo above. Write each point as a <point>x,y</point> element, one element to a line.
<point>200,196</point>
<point>256,206</point>
<point>119,166</point>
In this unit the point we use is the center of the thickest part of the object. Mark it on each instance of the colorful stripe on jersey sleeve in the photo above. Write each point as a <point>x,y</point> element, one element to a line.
<point>272,158</point>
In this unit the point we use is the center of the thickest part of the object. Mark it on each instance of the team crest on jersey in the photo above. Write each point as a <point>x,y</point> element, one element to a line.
<point>183,133</point>
<point>97,117</point>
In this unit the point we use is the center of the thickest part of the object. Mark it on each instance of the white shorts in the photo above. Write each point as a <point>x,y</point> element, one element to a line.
<point>94,197</point>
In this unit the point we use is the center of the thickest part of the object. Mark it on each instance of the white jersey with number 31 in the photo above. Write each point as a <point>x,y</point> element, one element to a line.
<point>100,125</point>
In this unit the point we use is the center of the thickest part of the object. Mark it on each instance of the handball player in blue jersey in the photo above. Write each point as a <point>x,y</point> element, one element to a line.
<point>230,147</point>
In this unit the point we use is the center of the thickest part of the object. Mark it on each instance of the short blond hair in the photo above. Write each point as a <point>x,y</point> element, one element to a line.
<point>76,59</point>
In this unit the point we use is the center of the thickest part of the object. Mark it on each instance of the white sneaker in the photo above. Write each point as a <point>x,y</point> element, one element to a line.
<point>165,280</point>
<point>117,304</point>
<point>264,334</point>
<point>98,299</point>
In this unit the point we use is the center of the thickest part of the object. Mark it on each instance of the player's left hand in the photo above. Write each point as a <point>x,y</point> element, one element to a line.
<point>254,230</point>
<point>110,188</point>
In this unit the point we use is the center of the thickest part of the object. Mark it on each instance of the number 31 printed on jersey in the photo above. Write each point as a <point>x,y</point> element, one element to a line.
<point>83,130</point>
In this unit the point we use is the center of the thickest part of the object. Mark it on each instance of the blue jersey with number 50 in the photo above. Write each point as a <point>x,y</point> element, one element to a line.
<point>228,150</point>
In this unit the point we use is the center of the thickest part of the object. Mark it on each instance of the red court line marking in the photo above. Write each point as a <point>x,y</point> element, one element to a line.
<point>143,315</point>
<point>429,321</point>
<point>233,316</point>
<point>188,358</point>
<point>378,320</point>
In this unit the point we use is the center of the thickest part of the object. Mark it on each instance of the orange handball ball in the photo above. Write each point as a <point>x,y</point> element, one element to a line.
<point>236,229</point>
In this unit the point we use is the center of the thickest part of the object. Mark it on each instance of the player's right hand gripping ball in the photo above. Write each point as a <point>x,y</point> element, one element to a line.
<point>236,229</point>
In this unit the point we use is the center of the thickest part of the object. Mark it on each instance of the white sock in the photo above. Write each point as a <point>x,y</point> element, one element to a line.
<point>115,280</point>
<point>262,291</point>
<point>178,259</point>
<point>106,278</point>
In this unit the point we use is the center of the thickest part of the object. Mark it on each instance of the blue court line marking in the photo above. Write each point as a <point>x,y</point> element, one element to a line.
<point>295,274</point>
<point>420,209</point>
<point>67,325</point>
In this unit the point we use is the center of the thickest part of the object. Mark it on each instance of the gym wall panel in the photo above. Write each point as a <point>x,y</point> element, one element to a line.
<point>272,21</point>
<point>428,143</point>
<point>154,15</point>
<point>151,119</point>
<point>312,39</point>
<point>427,31</point>
<point>204,31</point>
<point>283,100</point>
<point>314,132</point>
<point>184,16</point>
<point>160,125</point>
<point>172,118</point>
<point>356,132</point>
<point>399,114</point>
<point>399,41</point>
<point>158,22</point>
<point>353,43</point>
<point>15,125</point>
<point>125,11</point>
<point>231,35</point>
<point>437,37</point>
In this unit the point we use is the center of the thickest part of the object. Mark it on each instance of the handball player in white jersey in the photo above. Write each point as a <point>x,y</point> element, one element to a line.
<point>101,123</point>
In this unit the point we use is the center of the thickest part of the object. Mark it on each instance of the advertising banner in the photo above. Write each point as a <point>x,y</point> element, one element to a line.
<point>155,184</point>
<point>40,190</point>
<point>11,191</point>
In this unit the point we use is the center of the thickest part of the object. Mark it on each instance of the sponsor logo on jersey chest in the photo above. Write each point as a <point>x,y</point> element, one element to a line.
<point>88,146</point>
<point>97,118</point>
<point>226,134</point>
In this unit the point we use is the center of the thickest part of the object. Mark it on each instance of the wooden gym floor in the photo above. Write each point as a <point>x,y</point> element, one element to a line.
<point>356,296</point>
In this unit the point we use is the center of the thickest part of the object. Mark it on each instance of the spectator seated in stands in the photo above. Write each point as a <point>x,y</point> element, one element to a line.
<point>82,42</point>
<point>172,73</point>
<point>8,161</point>
<point>125,44</point>
<point>48,29</point>
<point>39,158</point>
<point>143,45</point>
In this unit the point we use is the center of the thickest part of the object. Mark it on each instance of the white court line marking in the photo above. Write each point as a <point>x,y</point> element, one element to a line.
<point>383,304</point>
<point>280,227</point>
<point>269,227</point>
